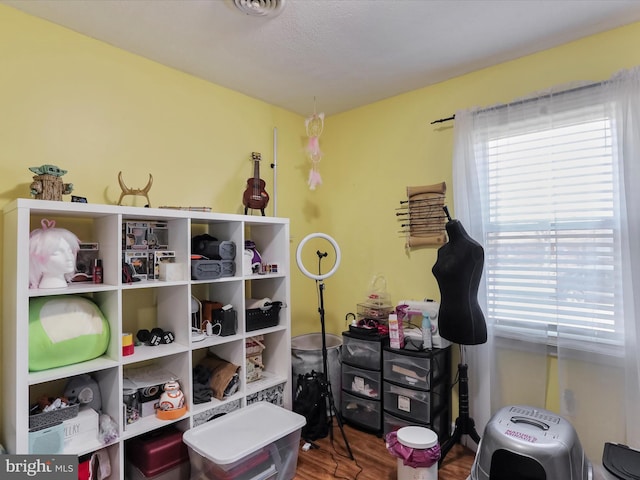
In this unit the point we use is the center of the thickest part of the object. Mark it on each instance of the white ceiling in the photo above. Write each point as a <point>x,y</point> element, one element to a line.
<point>342,53</point>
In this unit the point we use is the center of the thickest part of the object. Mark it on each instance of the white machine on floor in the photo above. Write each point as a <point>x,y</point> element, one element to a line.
<point>525,443</point>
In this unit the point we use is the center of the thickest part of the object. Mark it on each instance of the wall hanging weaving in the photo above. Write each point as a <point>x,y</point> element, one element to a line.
<point>421,216</point>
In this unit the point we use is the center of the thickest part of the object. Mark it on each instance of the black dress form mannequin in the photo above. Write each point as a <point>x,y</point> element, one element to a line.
<point>458,270</point>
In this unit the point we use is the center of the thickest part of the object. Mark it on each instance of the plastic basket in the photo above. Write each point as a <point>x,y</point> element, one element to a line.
<point>258,318</point>
<point>40,420</point>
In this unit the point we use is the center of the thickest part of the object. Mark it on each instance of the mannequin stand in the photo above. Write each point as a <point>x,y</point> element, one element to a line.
<point>465,425</point>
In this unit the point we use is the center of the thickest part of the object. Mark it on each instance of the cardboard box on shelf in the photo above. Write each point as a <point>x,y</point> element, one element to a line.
<point>81,429</point>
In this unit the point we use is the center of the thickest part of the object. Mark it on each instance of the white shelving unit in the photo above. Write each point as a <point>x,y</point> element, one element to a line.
<point>144,304</point>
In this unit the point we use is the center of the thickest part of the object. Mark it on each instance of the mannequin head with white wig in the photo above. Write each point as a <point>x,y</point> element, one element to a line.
<point>52,256</point>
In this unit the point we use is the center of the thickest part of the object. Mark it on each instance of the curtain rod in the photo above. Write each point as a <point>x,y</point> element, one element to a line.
<point>442,120</point>
<point>520,102</point>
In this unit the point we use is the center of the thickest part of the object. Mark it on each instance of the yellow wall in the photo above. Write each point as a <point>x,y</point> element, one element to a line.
<point>95,110</point>
<point>374,152</point>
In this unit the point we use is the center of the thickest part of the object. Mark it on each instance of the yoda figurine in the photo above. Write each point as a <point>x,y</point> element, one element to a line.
<point>47,184</point>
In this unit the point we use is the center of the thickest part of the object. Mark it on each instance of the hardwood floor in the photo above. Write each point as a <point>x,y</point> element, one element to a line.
<point>372,460</point>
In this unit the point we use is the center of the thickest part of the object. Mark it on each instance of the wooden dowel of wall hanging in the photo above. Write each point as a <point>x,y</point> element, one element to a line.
<point>413,241</point>
<point>440,188</point>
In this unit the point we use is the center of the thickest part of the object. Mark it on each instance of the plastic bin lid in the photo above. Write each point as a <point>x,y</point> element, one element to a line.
<point>236,435</point>
<point>417,437</point>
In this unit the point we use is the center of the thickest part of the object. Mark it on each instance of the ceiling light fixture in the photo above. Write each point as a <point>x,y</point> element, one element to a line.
<point>260,8</point>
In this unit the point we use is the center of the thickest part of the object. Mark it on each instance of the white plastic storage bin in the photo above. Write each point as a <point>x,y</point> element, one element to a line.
<point>361,353</point>
<point>361,411</point>
<point>259,441</point>
<point>362,382</point>
<point>410,369</point>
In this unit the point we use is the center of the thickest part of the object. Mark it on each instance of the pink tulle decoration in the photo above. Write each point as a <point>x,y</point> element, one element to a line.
<point>314,178</point>
<point>313,147</point>
<point>314,126</point>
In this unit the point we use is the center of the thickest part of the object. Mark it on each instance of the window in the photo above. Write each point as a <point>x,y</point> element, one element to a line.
<point>552,264</point>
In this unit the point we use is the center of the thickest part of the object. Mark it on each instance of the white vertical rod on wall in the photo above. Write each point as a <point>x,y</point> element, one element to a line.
<point>274,165</point>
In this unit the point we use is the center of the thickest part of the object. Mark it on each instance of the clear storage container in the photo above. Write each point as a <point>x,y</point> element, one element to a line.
<point>361,353</point>
<point>412,369</point>
<point>361,411</point>
<point>258,441</point>
<point>404,401</point>
<point>362,382</point>
<point>416,404</point>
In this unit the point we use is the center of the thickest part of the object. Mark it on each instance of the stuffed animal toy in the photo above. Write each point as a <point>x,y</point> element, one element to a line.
<point>83,389</point>
<point>253,256</point>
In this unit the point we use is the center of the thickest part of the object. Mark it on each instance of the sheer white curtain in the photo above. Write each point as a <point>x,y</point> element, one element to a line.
<point>571,347</point>
<point>625,91</point>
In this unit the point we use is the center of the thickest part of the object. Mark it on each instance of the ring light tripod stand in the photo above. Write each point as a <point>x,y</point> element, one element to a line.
<point>319,278</point>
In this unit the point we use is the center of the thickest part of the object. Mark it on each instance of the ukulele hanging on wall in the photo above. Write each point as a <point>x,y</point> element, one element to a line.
<point>255,196</point>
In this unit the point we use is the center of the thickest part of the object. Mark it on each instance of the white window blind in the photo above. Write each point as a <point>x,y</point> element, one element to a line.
<point>552,264</point>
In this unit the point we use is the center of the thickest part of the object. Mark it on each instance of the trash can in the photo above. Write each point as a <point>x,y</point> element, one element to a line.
<point>306,355</point>
<point>417,451</point>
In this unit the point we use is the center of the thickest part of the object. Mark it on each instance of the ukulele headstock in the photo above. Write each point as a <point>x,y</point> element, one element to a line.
<point>255,156</point>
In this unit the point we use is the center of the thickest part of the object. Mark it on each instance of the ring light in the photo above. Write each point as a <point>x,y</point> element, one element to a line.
<point>336,249</point>
<point>326,385</point>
